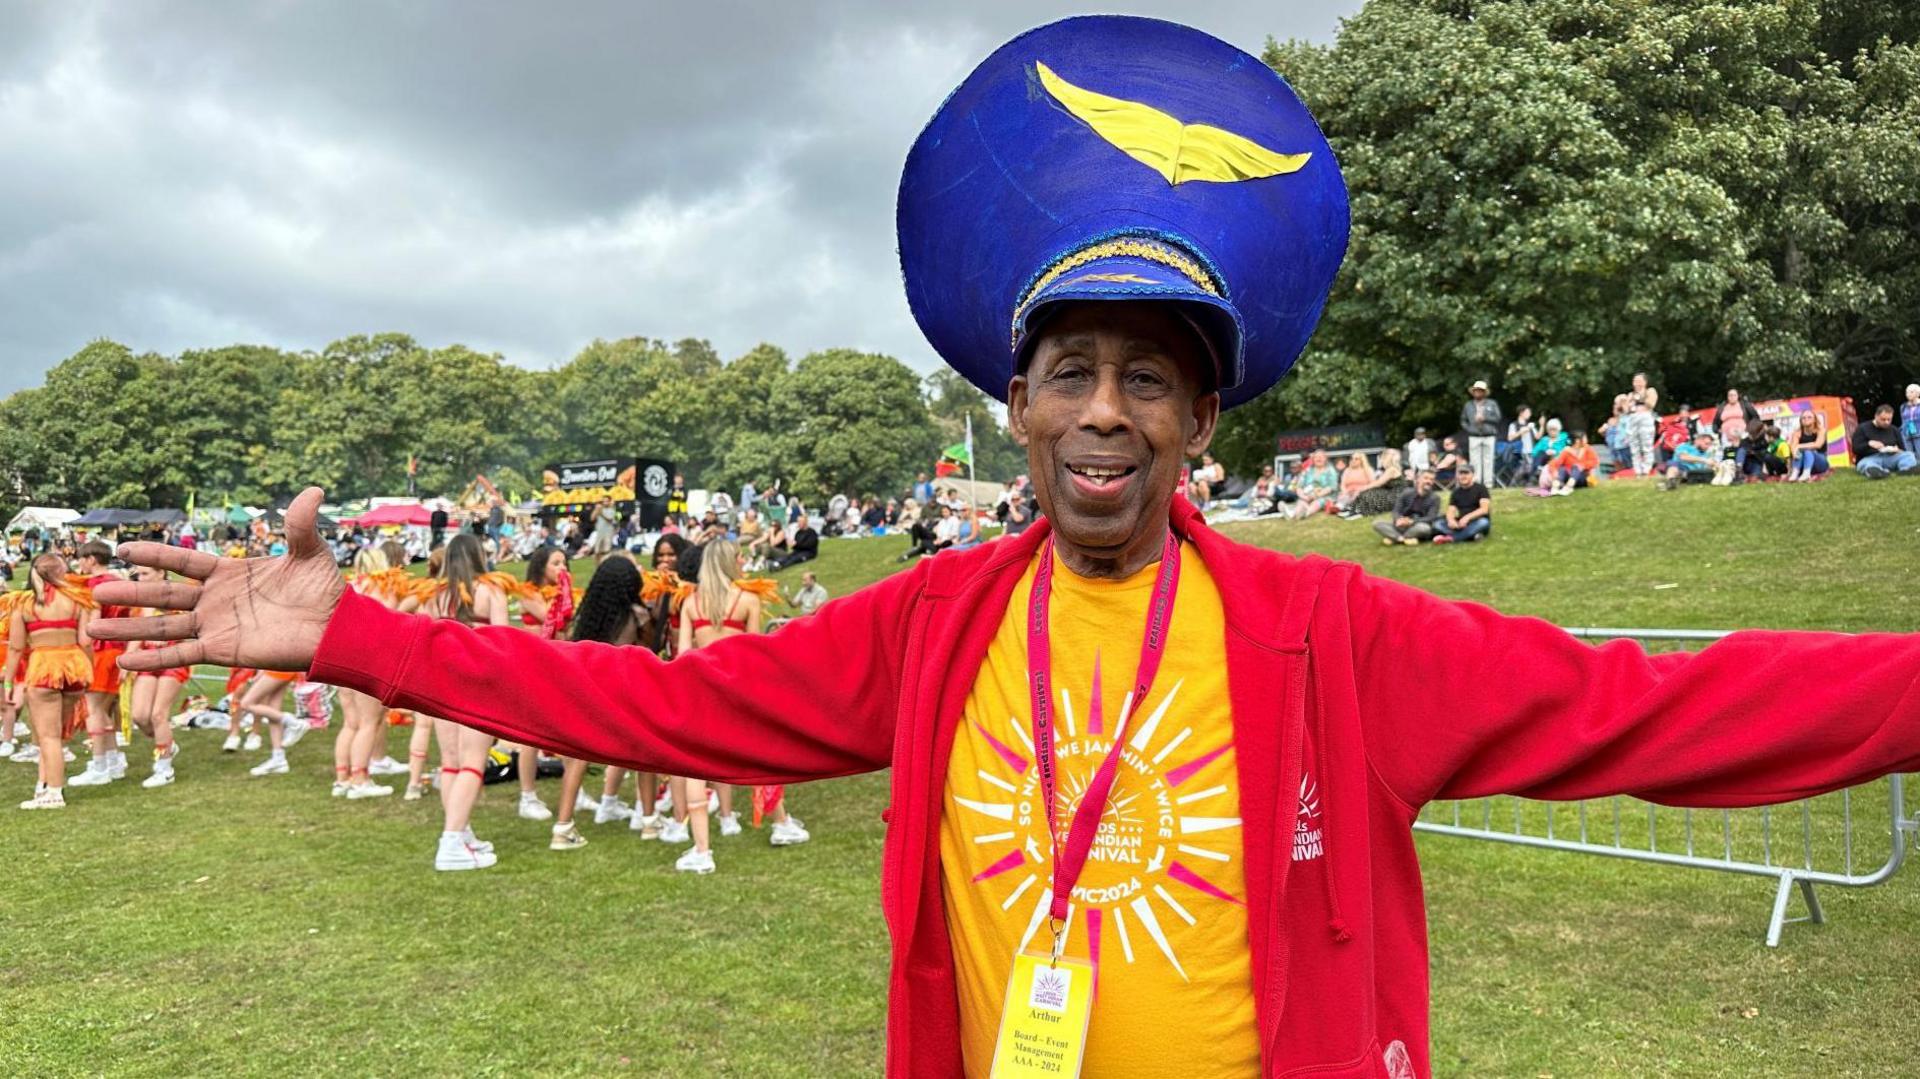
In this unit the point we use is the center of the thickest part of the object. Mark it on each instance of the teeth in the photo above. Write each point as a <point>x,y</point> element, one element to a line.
<point>1101,473</point>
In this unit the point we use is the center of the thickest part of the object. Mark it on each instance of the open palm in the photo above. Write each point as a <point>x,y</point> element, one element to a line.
<point>246,612</point>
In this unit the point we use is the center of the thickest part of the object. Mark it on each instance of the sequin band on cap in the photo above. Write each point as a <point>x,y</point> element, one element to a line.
<point>1138,247</point>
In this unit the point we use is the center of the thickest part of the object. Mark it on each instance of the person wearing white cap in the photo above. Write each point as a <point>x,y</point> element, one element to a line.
<point>1480,418</point>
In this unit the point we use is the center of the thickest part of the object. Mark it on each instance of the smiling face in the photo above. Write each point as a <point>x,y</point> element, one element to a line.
<point>1111,404</point>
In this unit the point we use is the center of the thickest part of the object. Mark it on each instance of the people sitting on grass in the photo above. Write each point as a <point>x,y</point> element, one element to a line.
<point>1550,444</point>
<point>1314,487</point>
<point>803,546</point>
<point>1261,492</point>
<point>1878,451</point>
<point>1207,480</point>
<point>1389,479</point>
<point>1576,466</point>
<point>1356,477</point>
<point>1731,421</point>
<point>1692,462</point>
<point>1807,448</point>
<point>1469,509</point>
<point>1416,513</point>
<point>1766,453</point>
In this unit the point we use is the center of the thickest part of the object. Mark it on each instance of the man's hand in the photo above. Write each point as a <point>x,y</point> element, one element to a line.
<point>1402,522</point>
<point>254,612</point>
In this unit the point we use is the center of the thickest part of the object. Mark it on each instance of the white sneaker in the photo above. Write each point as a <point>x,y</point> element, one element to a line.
<point>713,800</point>
<point>339,788</point>
<point>293,730</point>
<point>476,841</point>
<point>730,824</point>
<point>66,754</point>
<point>231,745</point>
<point>27,754</point>
<point>584,802</point>
<point>663,804</point>
<point>611,809</point>
<point>566,837</point>
<point>7,748</point>
<point>96,774</point>
<point>385,766</point>
<point>532,808</point>
<point>252,743</point>
<point>415,792</point>
<point>117,763</point>
<point>368,790</point>
<point>45,797</point>
<point>456,854</point>
<point>674,831</point>
<point>648,827</point>
<point>788,833</point>
<point>275,765</point>
<point>695,861</point>
<point>162,774</point>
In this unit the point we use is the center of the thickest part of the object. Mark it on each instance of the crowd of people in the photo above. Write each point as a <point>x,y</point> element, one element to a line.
<point>59,689</point>
<point>1439,491</point>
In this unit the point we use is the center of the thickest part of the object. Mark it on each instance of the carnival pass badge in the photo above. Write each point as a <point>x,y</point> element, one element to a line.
<point>1043,1025</point>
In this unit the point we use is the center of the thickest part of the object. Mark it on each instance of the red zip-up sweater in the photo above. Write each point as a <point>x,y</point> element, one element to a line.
<point>1320,659</point>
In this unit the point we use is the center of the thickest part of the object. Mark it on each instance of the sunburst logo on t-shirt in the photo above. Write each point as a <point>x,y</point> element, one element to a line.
<point>1158,838</point>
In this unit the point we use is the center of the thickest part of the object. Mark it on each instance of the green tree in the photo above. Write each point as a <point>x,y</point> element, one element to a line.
<point>1554,194</point>
<point>853,422</point>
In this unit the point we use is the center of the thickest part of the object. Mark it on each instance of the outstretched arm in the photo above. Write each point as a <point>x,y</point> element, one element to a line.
<point>1533,711</point>
<point>705,714</point>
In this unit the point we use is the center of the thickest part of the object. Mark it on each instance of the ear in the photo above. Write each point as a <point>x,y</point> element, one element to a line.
<point>1206,416</point>
<point>1017,410</point>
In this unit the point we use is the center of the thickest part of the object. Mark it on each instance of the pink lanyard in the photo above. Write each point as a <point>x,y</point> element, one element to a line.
<point>1068,862</point>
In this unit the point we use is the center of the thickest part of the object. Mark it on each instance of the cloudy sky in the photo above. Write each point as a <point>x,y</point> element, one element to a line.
<point>520,178</point>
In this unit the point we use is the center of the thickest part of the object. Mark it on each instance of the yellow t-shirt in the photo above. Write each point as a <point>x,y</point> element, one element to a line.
<point>1162,898</point>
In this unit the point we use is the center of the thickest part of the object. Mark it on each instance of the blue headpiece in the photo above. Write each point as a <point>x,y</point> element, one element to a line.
<point>1107,157</point>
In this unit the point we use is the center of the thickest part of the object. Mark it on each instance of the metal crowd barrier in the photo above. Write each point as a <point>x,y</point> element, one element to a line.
<point>1798,844</point>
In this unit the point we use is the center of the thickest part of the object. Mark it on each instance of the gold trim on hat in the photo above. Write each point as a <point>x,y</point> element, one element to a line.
<point>1128,247</point>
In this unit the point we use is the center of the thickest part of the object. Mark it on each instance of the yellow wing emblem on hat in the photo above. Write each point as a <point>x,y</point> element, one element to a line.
<point>1179,152</point>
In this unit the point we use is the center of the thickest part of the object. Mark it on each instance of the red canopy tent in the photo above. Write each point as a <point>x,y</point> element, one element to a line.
<point>392,515</point>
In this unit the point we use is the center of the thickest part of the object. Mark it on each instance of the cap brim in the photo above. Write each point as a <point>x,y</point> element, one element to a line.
<point>1124,277</point>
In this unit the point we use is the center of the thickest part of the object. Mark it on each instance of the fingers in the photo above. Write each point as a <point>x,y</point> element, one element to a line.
<point>160,659</point>
<point>198,565</point>
<point>168,627</point>
<point>171,596</point>
<point>303,532</point>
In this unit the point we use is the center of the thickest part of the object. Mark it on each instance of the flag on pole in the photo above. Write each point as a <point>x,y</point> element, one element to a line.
<point>961,452</point>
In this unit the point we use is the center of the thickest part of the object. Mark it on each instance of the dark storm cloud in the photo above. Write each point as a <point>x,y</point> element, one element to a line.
<point>517,178</point>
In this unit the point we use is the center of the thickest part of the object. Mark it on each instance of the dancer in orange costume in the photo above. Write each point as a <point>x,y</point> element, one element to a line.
<point>50,630</point>
<point>109,762</point>
<point>154,695</point>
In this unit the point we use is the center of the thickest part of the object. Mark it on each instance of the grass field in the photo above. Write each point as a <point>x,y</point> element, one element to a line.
<point>232,925</point>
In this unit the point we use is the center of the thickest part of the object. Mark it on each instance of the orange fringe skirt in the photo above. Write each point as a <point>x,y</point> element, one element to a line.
<point>63,667</point>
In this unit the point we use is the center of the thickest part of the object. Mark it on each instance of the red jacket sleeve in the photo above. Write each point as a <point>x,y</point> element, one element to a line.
<point>814,700</point>
<point>1459,701</point>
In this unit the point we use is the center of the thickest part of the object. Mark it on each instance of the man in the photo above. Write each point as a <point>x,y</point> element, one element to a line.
<point>803,546</point>
<point>1480,419</point>
<point>437,525</point>
<point>1469,509</point>
<point>1576,466</point>
<point>1216,833</point>
<point>748,493</point>
<point>1420,451</point>
<point>811,595</point>
<point>1019,514</point>
<point>922,489</point>
<point>605,519</point>
<point>1693,462</point>
<point>109,761</point>
<point>1877,451</point>
<point>1416,513</point>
